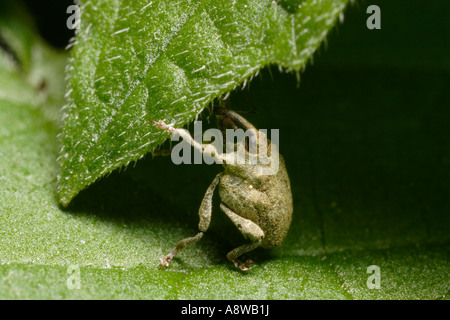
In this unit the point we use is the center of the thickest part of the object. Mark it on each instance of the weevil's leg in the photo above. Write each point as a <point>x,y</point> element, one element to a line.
<point>205,218</point>
<point>249,230</point>
<point>207,148</point>
<point>235,253</point>
<point>165,261</point>
<point>206,207</point>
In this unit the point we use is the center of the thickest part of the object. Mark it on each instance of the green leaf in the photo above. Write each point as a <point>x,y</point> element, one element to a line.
<point>368,161</point>
<point>138,61</point>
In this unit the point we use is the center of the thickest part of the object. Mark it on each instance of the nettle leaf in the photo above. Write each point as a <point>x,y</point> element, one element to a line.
<point>138,61</point>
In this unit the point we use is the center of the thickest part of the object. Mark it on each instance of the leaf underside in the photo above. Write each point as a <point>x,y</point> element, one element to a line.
<point>138,61</point>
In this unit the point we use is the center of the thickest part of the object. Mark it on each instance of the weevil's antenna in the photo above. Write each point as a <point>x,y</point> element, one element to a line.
<point>225,103</point>
<point>234,116</point>
<point>247,97</point>
<point>223,121</point>
<point>227,117</point>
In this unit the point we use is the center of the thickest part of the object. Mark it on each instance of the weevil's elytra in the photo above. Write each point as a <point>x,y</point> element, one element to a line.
<point>259,204</point>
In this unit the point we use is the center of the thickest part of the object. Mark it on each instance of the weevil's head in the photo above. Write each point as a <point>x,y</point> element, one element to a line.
<point>254,158</point>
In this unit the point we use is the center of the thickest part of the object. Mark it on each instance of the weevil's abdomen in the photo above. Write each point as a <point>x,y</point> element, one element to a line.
<point>267,203</point>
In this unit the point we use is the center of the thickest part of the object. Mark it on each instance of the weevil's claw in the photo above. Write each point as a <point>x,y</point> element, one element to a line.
<point>247,265</point>
<point>165,261</point>
<point>161,125</point>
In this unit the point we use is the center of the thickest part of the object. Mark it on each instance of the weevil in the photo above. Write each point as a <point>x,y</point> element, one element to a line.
<point>257,200</point>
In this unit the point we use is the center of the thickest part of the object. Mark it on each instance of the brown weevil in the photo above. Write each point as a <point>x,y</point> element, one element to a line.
<point>256,195</point>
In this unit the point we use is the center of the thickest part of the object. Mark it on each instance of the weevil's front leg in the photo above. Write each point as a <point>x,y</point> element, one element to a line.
<point>206,207</point>
<point>205,218</point>
<point>204,148</point>
<point>249,230</point>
